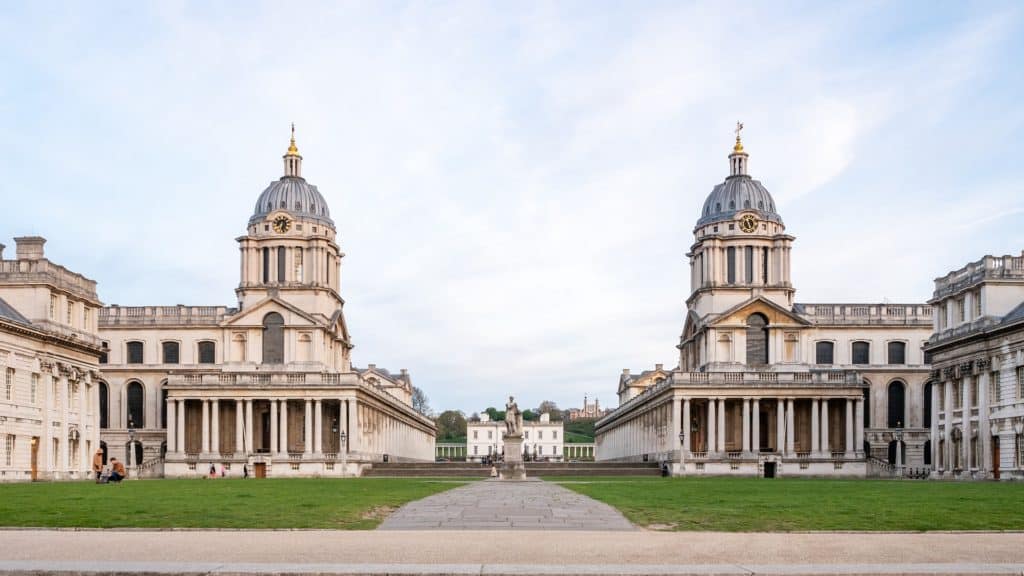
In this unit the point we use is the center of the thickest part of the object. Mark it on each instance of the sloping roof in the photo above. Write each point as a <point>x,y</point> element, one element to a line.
<point>1015,315</point>
<point>7,312</point>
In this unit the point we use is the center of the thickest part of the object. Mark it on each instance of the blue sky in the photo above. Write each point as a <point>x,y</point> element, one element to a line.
<point>515,184</point>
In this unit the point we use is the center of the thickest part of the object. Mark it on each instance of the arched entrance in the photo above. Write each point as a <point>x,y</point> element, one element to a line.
<point>757,340</point>
<point>136,417</point>
<point>896,404</point>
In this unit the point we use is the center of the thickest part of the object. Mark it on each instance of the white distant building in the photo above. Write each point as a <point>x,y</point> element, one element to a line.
<point>542,439</point>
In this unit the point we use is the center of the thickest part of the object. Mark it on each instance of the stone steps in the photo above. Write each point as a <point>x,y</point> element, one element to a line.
<point>461,469</point>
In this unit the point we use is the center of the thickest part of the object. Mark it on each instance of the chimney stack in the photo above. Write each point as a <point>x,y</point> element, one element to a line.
<point>625,371</point>
<point>30,247</point>
<point>658,366</point>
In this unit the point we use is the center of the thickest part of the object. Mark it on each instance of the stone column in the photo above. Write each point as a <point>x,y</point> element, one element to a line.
<point>935,426</point>
<point>343,428</point>
<point>712,442</point>
<point>687,426</point>
<point>239,428</point>
<point>205,446</point>
<point>745,446</point>
<point>816,449</point>
<point>308,423</point>
<point>826,447</point>
<point>354,444</point>
<point>318,426</point>
<point>172,422</point>
<point>215,427</point>
<point>780,425</point>
<point>721,425</point>
<point>984,428</point>
<point>966,422</point>
<point>947,456</point>
<point>756,427</point>
<point>858,427</point>
<point>677,426</point>
<point>248,427</point>
<point>274,445</point>
<point>180,430</point>
<point>789,427</point>
<point>283,445</point>
<point>849,428</point>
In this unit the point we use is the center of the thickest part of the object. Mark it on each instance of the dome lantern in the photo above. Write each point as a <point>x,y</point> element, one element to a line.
<point>292,159</point>
<point>738,158</point>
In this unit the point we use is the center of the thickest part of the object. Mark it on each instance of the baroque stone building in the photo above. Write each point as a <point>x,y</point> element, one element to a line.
<point>268,384</point>
<point>977,350</point>
<point>765,385</point>
<point>49,356</point>
<point>542,439</point>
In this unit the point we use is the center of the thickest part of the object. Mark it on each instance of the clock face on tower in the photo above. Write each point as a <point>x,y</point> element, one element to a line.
<point>748,223</point>
<point>282,224</point>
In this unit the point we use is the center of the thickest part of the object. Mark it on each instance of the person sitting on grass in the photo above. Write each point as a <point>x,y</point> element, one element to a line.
<point>117,472</point>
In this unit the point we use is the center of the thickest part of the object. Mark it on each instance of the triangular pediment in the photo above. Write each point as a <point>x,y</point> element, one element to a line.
<point>777,315</point>
<point>253,316</point>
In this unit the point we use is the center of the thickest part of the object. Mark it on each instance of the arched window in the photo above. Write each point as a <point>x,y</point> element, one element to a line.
<point>897,353</point>
<point>824,352</point>
<point>163,406</point>
<point>757,340</point>
<point>732,204</point>
<point>861,353</point>
<point>718,206</point>
<point>134,352</point>
<point>927,405</point>
<point>104,405</point>
<point>207,352</point>
<point>273,339</point>
<point>746,203</point>
<point>136,404</point>
<point>170,351</point>
<point>896,405</point>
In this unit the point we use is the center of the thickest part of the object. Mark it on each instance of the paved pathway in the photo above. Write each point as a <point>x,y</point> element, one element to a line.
<point>504,505</point>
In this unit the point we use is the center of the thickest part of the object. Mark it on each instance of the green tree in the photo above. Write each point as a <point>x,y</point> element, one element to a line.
<point>495,414</point>
<point>530,415</point>
<point>451,426</point>
<point>550,408</point>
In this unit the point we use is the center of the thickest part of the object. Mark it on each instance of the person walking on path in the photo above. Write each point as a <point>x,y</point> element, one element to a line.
<point>97,464</point>
<point>117,472</point>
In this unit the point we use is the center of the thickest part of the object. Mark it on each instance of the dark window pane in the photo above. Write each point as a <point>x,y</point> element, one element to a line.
<point>135,352</point>
<point>136,418</point>
<point>823,352</point>
<point>273,339</point>
<point>730,254</point>
<point>861,353</point>
<point>170,350</point>
<point>280,263</point>
<point>104,403</point>
<point>266,265</point>
<point>928,406</point>
<point>896,405</point>
<point>748,263</point>
<point>897,353</point>
<point>757,340</point>
<point>207,353</point>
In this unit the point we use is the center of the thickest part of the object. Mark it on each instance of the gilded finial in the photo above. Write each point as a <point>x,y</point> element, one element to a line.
<point>739,145</point>
<point>293,150</point>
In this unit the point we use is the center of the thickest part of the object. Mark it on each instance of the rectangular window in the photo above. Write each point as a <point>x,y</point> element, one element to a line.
<point>9,450</point>
<point>1020,383</point>
<point>897,353</point>
<point>86,318</point>
<point>540,434</point>
<point>70,312</point>
<point>298,264</point>
<point>281,251</point>
<point>974,394</point>
<point>960,309</point>
<point>56,392</point>
<point>135,355</point>
<point>9,384</point>
<point>993,388</point>
<point>977,304</point>
<point>540,450</point>
<point>170,350</point>
<point>730,258</point>
<point>554,434</point>
<point>942,397</point>
<point>490,435</point>
<point>748,263</point>
<point>34,392</point>
<point>958,397</point>
<point>861,353</point>
<point>764,265</point>
<point>266,265</point>
<point>474,450</point>
<point>475,434</point>
<point>54,303</point>
<point>824,352</point>
<point>207,352</point>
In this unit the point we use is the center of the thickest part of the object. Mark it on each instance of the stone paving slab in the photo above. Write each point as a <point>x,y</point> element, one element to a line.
<point>505,505</point>
<point>66,568</point>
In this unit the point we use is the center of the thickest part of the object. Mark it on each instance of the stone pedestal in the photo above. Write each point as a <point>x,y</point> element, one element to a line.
<point>513,468</point>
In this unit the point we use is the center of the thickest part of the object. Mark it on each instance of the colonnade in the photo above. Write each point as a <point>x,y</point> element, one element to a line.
<point>210,440</point>
<point>450,451</point>
<point>578,451</point>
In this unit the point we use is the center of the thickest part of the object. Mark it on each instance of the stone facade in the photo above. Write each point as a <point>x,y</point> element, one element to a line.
<point>977,350</point>
<point>269,384</point>
<point>542,439</point>
<point>765,385</point>
<point>49,352</point>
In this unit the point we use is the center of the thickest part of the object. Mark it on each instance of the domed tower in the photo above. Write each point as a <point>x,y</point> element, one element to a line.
<point>740,248</point>
<point>289,251</point>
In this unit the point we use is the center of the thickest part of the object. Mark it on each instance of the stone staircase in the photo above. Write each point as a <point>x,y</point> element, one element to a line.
<point>534,469</point>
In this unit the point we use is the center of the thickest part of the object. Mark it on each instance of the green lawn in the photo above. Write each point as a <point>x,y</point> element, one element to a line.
<point>356,504</point>
<point>751,504</point>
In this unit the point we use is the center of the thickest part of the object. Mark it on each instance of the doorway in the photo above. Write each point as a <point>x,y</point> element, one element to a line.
<point>769,469</point>
<point>265,435</point>
<point>261,469</point>
<point>995,457</point>
<point>35,458</point>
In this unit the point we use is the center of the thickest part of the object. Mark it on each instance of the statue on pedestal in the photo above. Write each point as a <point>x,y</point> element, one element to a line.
<point>513,418</point>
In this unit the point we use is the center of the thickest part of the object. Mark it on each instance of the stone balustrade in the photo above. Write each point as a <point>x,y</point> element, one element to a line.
<point>973,273</point>
<point>44,271</point>
<point>861,314</point>
<point>163,315</point>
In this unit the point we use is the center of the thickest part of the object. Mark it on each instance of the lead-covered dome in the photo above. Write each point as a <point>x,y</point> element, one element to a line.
<point>295,196</point>
<point>292,193</point>
<point>738,193</point>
